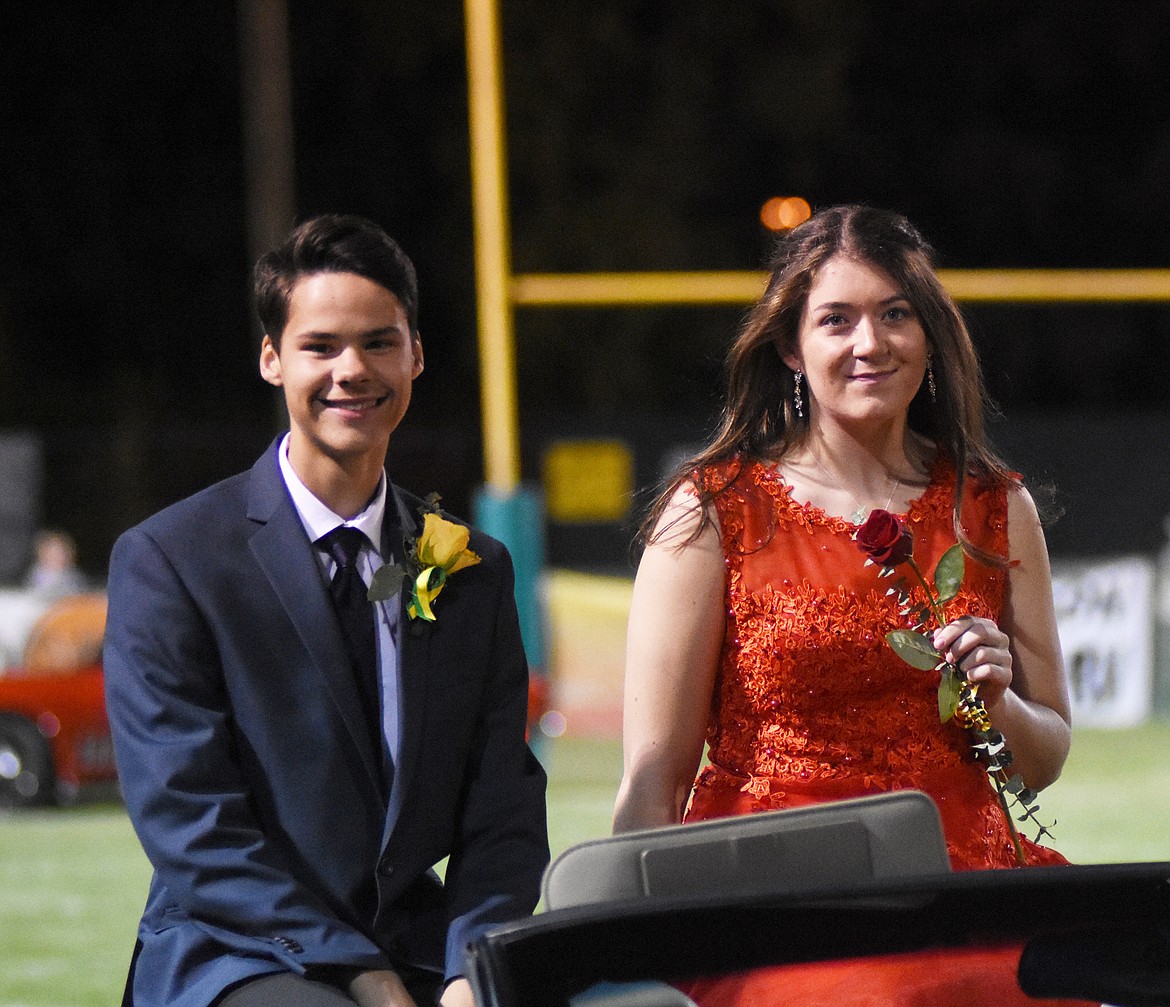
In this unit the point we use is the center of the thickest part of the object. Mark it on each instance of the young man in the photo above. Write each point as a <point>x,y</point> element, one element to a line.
<point>293,782</point>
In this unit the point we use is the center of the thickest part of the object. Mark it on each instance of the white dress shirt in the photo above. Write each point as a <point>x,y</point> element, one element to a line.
<point>319,520</point>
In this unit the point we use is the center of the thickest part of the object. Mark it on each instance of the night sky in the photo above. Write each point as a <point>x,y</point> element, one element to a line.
<point>643,135</point>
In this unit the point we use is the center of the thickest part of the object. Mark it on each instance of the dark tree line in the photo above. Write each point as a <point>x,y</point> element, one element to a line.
<point>642,134</point>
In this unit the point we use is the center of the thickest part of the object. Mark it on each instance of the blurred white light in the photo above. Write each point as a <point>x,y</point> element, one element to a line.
<point>553,724</point>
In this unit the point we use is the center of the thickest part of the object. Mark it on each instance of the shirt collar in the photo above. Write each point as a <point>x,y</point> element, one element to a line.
<point>318,519</point>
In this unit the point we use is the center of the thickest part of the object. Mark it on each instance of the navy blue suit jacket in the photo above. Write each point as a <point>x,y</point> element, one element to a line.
<point>252,783</point>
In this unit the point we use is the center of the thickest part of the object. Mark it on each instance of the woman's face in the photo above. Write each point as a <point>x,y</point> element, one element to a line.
<point>860,345</point>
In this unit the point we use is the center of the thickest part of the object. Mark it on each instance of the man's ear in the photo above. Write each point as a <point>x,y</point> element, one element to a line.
<point>270,363</point>
<point>417,352</point>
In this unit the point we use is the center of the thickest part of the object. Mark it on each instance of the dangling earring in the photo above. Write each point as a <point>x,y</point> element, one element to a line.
<point>930,381</point>
<point>797,398</point>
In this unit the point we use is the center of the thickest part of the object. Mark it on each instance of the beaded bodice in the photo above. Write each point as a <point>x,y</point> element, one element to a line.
<point>808,687</point>
<point>810,702</point>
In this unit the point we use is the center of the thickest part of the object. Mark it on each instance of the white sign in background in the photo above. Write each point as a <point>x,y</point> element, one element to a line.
<point>1105,617</point>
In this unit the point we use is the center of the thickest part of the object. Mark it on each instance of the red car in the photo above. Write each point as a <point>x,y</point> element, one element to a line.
<point>54,734</point>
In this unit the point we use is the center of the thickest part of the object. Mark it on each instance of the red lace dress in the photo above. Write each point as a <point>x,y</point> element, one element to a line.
<point>811,705</point>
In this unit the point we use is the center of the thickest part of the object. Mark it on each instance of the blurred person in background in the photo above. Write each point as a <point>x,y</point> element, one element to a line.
<point>54,573</point>
<point>854,396</point>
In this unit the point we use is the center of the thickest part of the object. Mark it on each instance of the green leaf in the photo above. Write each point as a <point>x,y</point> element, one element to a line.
<point>949,690</point>
<point>914,648</point>
<point>386,582</point>
<point>948,575</point>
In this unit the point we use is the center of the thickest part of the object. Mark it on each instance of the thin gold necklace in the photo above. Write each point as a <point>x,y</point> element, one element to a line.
<point>862,511</point>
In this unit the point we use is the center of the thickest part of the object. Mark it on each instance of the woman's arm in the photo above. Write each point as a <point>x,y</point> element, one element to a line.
<point>672,651</point>
<point>1018,665</point>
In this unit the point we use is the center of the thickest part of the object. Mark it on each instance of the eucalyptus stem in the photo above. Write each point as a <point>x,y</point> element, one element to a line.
<point>926,590</point>
<point>998,783</point>
<point>887,541</point>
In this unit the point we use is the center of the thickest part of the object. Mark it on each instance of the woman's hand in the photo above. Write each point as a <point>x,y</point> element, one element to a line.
<point>982,652</point>
<point>1016,661</point>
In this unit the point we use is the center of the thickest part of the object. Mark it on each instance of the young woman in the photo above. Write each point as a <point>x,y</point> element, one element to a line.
<point>757,626</point>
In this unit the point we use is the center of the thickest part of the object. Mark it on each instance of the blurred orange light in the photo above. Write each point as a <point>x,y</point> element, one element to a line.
<point>782,213</point>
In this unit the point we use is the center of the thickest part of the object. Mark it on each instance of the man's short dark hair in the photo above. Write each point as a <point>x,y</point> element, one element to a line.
<point>332,243</point>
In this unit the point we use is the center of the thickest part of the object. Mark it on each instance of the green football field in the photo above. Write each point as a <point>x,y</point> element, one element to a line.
<point>72,881</point>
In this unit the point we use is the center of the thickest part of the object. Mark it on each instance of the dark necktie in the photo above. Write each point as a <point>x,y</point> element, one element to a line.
<point>356,614</point>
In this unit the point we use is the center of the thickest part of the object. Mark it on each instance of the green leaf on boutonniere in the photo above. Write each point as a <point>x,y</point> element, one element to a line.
<point>386,582</point>
<point>914,648</point>
<point>948,574</point>
<point>949,688</point>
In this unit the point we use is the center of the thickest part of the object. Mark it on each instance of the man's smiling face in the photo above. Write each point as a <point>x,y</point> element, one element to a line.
<point>346,363</point>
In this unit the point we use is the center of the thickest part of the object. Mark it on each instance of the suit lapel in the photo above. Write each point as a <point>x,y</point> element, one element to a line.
<point>285,554</point>
<point>414,643</point>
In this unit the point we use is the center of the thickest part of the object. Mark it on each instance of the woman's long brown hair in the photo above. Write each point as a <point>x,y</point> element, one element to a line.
<point>758,421</point>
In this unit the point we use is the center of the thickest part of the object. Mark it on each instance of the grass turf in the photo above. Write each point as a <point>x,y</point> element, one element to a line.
<point>73,880</point>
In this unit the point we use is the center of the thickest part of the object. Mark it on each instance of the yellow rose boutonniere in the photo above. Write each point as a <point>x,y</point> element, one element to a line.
<point>438,552</point>
<point>441,551</point>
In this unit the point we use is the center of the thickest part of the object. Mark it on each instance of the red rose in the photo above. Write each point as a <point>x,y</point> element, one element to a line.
<point>885,539</point>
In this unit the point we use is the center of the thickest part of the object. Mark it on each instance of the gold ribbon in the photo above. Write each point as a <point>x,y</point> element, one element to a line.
<point>424,593</point>
<point>971,712</point>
